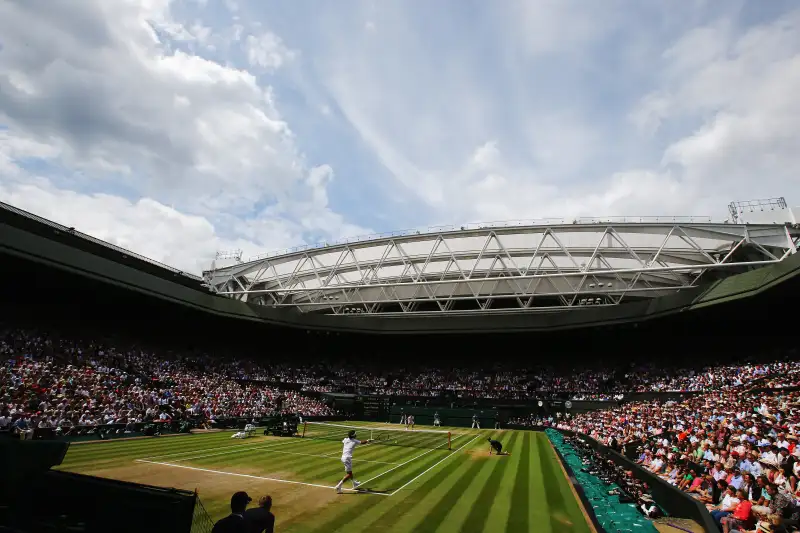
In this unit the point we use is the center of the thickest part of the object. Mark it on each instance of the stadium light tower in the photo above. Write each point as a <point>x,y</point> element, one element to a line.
<point>769,211</point>
<point>229,258</point>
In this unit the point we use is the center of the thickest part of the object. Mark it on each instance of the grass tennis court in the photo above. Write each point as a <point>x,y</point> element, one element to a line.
<point>419,489</point>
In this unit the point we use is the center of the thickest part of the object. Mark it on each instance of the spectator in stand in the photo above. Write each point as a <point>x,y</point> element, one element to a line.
<point>742,516</point>
<point>725,507</point>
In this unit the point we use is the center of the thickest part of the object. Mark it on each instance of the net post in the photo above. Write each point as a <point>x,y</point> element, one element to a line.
<point>448,441</point>
<point>305,425</point>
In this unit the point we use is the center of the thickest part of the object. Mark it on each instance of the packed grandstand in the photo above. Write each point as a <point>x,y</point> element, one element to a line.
<point>50,380</point>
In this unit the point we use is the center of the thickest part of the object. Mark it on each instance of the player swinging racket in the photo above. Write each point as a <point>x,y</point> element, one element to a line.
<point>496,446</point>
<point>348,445</point>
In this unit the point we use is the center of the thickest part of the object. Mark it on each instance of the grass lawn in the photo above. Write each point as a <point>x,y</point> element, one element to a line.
<point>408,489</point>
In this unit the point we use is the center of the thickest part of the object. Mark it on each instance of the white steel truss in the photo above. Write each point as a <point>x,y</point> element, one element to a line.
<point>504,269</point>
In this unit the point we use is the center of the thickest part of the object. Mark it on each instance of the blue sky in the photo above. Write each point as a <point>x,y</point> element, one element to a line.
<point>178,128</point>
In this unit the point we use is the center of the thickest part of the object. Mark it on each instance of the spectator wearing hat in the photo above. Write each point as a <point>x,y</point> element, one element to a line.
<point>260,519</point>
<point>234,523</point>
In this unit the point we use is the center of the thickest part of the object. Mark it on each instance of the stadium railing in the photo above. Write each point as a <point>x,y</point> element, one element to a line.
<point>145,429</point>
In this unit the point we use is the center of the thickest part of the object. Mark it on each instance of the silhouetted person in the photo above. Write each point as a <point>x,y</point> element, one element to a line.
<point>260,519</point>
<point>234,523</point>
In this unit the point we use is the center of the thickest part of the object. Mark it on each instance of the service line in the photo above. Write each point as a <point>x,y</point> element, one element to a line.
<point>435,465</point>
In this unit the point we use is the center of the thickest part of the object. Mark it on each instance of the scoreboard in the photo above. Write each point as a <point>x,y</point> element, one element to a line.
<point>374,407</point>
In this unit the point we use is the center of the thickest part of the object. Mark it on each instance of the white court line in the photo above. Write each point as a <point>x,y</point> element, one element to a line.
<point>222,472</point>
<point>401,464</point>
<point>435,465</point>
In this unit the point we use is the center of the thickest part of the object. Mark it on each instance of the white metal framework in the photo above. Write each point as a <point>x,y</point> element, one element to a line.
<point>503,268</point>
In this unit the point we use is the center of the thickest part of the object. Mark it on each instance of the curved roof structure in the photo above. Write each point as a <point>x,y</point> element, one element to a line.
<point>494,268</point>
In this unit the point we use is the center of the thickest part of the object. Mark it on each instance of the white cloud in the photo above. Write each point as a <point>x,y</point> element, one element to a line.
<point>704,116</point>
<point>146,226</point>
<point>746,90</point>
<point>267,51</point>
<point>252,120</point>
<point>102,97</point>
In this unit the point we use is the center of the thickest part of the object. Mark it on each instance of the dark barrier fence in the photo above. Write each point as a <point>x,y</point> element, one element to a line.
<point>448,417</point>
<point>148,429</point>
<point>454,399</point>
<point>673,501</point>
<point>100,504</point>
<point>34,498</point>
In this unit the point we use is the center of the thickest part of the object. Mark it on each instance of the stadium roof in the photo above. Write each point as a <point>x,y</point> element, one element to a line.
<point>69,264</point>
<point>502,268</point>
<point>35,224</point>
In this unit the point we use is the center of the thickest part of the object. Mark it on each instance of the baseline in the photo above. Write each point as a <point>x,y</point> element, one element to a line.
<point>277,480</point>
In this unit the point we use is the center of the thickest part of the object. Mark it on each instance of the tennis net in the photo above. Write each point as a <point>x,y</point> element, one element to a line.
<point>421,438</point>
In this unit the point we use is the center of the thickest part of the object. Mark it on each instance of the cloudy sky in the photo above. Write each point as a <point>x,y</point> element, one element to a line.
<point>179,128</point>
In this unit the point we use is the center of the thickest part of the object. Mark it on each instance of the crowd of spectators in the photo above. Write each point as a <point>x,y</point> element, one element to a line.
<point>736,451</point>
<point>599,384</point>
<point>63,383</point>
<point>53,381</point>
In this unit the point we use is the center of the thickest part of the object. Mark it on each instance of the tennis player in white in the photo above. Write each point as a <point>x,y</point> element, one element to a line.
<point>348,445</point>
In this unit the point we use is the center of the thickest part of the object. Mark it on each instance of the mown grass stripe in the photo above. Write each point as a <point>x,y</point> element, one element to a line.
<point>148,448</point>
<point>538,510</point>
<point>479,513</point>
<point>572,506</point>
<point>269,463</point>
<point>437,512</point>
<point>555,498</point>
<point>232,456</point>
<point>501,504</point>
<point>335,470</point>
<point>456,519</point>
<point>395,478</point>
<point>411,513</point>
<point>520,496</point>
